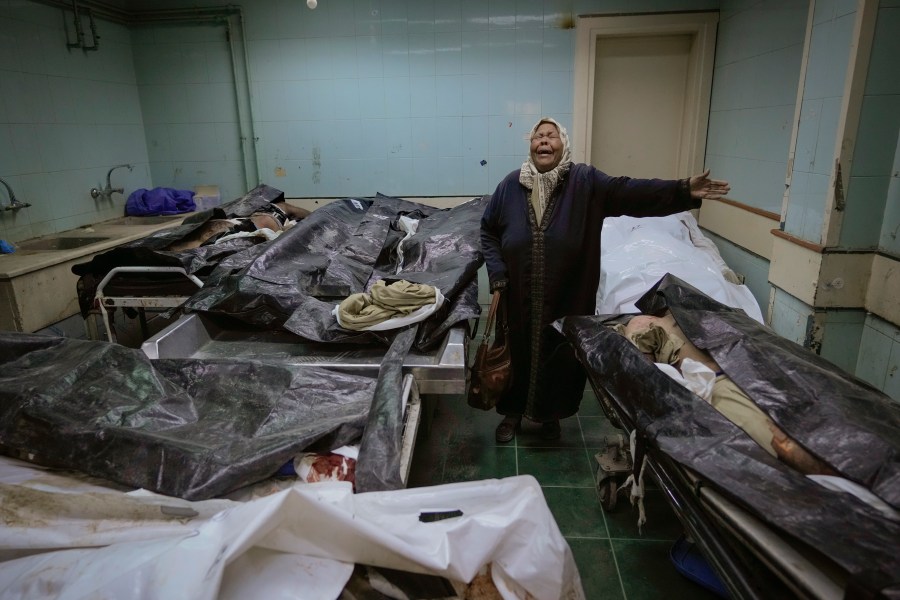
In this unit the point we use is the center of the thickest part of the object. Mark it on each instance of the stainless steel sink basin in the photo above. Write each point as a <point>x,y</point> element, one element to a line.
<point>59,243</point>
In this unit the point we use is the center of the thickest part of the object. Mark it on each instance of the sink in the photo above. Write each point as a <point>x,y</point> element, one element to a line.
<point>59,243</point>
<point>156,220</point>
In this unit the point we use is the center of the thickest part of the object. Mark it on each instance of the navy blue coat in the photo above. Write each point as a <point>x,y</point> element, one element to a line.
<point>551,270</point>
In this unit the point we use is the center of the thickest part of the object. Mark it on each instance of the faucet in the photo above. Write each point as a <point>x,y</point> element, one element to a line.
<point>14,204</point>
<point>107,192</point>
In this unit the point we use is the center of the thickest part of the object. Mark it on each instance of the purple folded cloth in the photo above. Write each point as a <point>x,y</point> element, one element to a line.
<point>159,201</point>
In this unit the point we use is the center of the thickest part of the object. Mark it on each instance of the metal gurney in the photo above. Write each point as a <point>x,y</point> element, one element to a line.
<point>273,300</point>
<point>768,530</point>
<point>265,312</point>
<point>437,371</point>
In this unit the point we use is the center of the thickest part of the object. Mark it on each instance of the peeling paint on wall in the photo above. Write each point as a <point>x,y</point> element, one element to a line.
<point>317,165</point>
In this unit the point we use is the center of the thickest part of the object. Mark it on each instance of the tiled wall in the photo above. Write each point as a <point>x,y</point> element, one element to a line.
<point>750,124</point>
<point>412,98</point>
<point>879,356</point>
<point>758,56</point>
<point>188,96</point>
<point>403,97</point>
<point>820,113</point>
<point>754,269</point>
<point>843,330</point>
<point>66,117</point>
<point>873,192</point>
<point>790,316</point>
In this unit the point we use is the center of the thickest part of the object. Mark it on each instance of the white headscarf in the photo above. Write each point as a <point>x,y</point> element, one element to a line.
<point>549,181</point>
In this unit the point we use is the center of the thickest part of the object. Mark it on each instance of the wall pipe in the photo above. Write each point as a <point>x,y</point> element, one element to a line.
<point>253,137</point>
<point>79,32</point>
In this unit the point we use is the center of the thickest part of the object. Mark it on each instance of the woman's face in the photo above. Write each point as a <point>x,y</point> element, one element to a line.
<point>546,147</point>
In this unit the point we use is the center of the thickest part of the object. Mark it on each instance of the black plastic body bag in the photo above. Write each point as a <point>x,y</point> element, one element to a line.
<point>843,421</point>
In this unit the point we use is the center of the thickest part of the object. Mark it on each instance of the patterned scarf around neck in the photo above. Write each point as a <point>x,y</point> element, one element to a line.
<point>546,183</point>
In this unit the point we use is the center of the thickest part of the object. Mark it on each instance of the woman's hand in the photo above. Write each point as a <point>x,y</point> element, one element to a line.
<point>703,187</point>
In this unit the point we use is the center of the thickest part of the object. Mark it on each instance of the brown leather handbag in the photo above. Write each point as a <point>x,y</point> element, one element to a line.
<point>491,372</point>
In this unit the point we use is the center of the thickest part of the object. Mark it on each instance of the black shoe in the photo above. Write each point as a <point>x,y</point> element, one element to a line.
<point>550,430</point>
<point>506,430</point>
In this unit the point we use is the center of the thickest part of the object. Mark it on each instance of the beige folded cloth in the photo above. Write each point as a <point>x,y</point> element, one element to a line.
<point>402,296</point>
<point>358,311</point>
<point>384,302</point>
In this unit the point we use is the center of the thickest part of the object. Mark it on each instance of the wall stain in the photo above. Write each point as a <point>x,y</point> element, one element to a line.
<point>566,21</point>
<point>317,165</point>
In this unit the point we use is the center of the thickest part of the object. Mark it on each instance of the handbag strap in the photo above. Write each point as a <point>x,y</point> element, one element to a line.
<point>492,314</point>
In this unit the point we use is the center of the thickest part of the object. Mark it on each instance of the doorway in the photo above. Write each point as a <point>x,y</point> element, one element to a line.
<point>642,93</point>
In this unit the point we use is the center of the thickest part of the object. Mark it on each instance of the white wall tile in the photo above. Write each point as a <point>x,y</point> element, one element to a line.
<point>529,50</point>
<point>448,96</point>
<point>448,53</point>
<point>558,52</point>
<point>475,95</point>
<point>266,60</point>
<point>503,94</point>
<point>448,16</point>
<point>883,76</point>
<point>876,148</point>
<point>476,15</point>
<point>397,102</point>
<point>394,19</point>
<point>20,154</point>
<point>421,55</point>
<point>294,59</point>
<point>371,97</point>
<point>319,58</point>
<point>369,56</point>
<point>319,98</point>
<point>395,55</point>
<point>449,133</point>
<point>420,16</point>
<point>424,137</point>
<point>889,239</point>
<point>865,205</point>
<point>560,102</point>
<point>874,356</point>
<point>367,18</point>
<point>790,317</point>
<point>347,98</point>
<point>422,97</point>
<point>476,52</point>
<point>530,14</point>
<point>398,138</point>
<point>344,61</point>
<point>503,14</point>
<point>476,141</point>
<point>502,51</point>
<point>449,175</point>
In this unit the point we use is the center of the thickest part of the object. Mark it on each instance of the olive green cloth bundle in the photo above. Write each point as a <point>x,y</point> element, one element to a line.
<point>385,302</point>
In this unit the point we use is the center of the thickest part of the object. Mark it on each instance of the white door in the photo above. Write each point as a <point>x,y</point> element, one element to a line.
<point>642,93</point>
<point>639,75</point>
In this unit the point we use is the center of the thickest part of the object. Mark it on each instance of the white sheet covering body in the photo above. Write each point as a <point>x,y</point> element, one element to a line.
<point>636,253</point>
<point>71,537</point>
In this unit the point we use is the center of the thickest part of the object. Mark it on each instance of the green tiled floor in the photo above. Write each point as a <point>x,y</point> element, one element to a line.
<point>614,559</point>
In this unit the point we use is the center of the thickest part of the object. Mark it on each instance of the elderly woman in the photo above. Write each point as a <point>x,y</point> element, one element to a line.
<point>540,236</point>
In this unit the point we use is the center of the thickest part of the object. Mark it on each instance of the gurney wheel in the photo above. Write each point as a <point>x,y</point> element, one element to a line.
<point>606,490</point>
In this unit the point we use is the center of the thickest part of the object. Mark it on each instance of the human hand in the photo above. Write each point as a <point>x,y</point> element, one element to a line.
<point>703,187</point>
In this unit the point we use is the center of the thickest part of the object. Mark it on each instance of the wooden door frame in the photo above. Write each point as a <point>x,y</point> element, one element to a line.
<point>700,25</point>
